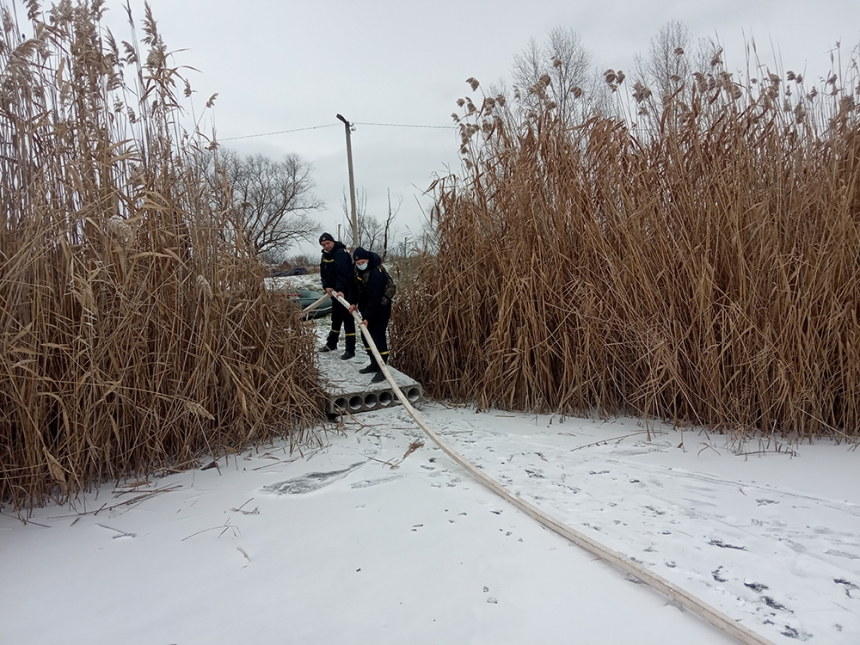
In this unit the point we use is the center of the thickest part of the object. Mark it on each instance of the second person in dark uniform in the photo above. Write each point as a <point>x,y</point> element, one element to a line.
<point>368,296</point>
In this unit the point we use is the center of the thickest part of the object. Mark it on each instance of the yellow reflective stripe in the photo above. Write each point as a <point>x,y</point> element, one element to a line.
<point>352,334</point>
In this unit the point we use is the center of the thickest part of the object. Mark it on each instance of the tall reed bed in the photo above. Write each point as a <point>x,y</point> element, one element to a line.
<point>136,335</point>
<point>704,269</point>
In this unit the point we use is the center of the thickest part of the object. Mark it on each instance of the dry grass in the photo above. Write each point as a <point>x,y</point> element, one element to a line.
<point>134,334</point>
<point>704,271</point>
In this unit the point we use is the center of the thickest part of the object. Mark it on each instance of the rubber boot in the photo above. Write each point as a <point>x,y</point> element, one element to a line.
<point>331,342</point>
<point>349,351</point>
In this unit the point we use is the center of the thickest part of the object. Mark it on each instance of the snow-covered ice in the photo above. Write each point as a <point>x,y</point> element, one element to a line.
<point>363,541</point>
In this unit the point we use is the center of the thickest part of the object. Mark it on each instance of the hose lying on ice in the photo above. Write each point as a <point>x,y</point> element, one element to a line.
<point>714,616</point>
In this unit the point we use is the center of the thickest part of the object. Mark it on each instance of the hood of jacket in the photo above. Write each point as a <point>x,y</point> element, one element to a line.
<point>337,246</point>
<point>374,260</point>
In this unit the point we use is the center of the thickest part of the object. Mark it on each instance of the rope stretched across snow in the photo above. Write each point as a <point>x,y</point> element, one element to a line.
<point>685,599</point>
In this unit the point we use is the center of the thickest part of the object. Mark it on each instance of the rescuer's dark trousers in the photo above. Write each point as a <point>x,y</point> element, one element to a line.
<point>377,327</point>
<point>340,314</point>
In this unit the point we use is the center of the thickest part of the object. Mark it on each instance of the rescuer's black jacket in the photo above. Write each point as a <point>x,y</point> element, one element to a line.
<point>336,269</point>
<point>368,289</point>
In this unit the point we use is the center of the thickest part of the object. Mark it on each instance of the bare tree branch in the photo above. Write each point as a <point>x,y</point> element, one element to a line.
<point>269,202</point>
<point>662,75</point>
<point>562,69</point>
<point>373,234</point>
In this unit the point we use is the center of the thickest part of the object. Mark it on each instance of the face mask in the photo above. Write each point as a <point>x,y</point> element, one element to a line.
<point>362,267</point>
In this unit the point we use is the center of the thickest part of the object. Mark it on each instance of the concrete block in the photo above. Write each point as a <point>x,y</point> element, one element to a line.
<point>348,390</point>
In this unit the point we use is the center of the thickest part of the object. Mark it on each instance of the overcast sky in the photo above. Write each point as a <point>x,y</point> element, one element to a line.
<point>284,65</point>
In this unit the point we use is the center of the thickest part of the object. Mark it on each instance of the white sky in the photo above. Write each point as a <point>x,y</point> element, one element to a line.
<point>287,65</point>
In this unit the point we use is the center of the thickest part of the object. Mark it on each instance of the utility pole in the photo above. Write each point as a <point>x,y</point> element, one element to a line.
<point>348,127</point>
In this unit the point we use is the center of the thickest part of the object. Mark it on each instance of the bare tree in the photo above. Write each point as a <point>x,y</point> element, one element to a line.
<point>664,74</point>
<point>562,69</point>
<point>360,213</point>
<point>373,234</point>
<point>389,221</point>
<point>269,201</point>
<point>664,68</point>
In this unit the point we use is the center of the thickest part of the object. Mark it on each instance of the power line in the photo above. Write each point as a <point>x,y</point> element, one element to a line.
<point>269,134</point>
<point>401,125</point>
<point>331,125</point>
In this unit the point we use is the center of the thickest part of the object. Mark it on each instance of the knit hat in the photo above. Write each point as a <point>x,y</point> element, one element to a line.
<point>361,254</point>
<point>326,236</point>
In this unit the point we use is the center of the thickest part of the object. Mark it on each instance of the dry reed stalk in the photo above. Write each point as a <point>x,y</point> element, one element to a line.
<point>135,334</point>
<point>706,271</point>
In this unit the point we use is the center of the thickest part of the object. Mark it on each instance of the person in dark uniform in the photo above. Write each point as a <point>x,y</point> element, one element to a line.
<point>368,296</point>
<point>336,275</point>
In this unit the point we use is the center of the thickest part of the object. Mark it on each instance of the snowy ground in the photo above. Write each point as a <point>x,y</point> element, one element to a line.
<point>372,539</point>
<point>358,542</point>
<point>310,281</point>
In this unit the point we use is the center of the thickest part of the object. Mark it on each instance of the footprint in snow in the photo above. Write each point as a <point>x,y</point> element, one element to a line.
<point>310,482</point>
<point>842,554</point>
<point>792,632</point>
<point>849,586</point>
<point>773,604</point>
<point>758,587</point>
<point>795,546</point>
<point>367,483</point>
